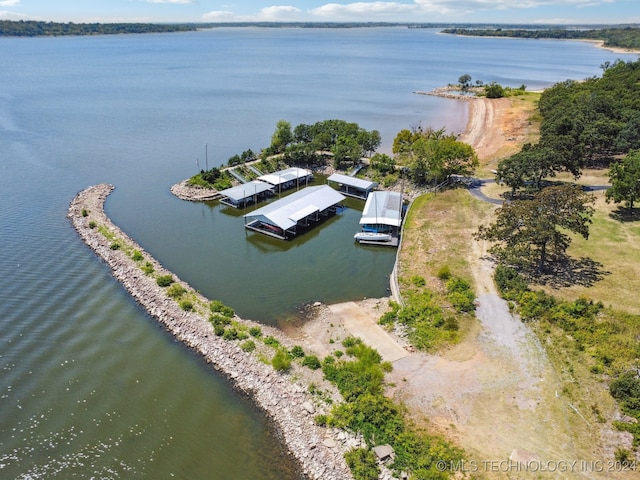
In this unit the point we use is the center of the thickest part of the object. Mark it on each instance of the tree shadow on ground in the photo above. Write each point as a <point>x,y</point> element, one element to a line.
<point>623,214</point>
<point>569,272</point>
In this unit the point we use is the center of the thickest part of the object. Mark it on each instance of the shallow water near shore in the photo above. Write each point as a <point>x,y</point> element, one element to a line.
<point>89,384</point>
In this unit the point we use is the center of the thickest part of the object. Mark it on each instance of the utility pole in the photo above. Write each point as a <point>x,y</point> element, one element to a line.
<point>206,157</point>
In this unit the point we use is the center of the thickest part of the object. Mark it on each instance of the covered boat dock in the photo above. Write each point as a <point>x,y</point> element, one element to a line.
<point>289,216</point>
<point>352,186</point>
<point>246,194</point>
<point>382,214</point>
<point>288,178</point>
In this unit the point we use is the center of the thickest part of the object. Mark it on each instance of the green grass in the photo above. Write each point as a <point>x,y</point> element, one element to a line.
<point>615,246</point>
<point>438,238</point>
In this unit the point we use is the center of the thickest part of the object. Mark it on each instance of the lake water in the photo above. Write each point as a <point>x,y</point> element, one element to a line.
<point>90,386</point>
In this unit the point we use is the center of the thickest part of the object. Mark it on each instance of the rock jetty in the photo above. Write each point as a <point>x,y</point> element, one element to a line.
<point>282,396</point>
<point>184,191</point>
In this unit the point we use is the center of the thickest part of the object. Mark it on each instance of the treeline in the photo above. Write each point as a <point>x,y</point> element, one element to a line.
<point>346,142</point>
<point>624,37</point>
<point>584,124</point>
<point>24,28</point>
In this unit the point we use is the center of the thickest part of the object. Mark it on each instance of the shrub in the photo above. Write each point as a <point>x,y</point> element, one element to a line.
<point>281,360</point>
<point>230,334</point>
<point>494,90</point>
<point>242,335</point>
<point>115,246</point>
<point>164,280</point>
<point>510,283</point>
<point>218,330</point>
<point>460,295</point>
<point>255,332</point>
<point>137,256</point>
<point>363,464</point>
<point>271,341</point>
<point>92,224</point>
<point>351,342</point>
<point>311,361</point>
<point>218,319</point>
<point>248,346</point>
<point>297,352</point>
<point>626,389</point>
<point>176,290</point>
<point>84,212</point>
<point>186,305</point>
<point>444,273</point>
<point>418,281</point>
<point>217,306</point>
<point>321,420</point>
<point>451,324</point>
<point>462,301</point>
<point>147,268</point>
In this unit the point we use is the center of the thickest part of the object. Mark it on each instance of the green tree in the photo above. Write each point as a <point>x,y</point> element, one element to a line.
<point>625,180</point>
<point>494,90</point>
<point>346,149</point>
<point>528,168</point>
<point>282,137</point>
<point>528,232</point>
<point>383,163</point>
<point>464,81</point>
<point>432,155</point>
<point>369,141</point>
<point>403,141</point>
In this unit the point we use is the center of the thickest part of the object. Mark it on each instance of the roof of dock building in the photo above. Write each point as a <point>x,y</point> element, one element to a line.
<point>358,183</point>
<point>284,176</point>
<point>246,190</point>
<point>286,212</point>
<point>382,208</point>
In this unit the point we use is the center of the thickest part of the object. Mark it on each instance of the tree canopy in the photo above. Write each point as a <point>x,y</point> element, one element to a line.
<point>346,141</point>
<point>528,233</point>
<point>30,28</point>
<point>433,155</point>
<point>625,37</point>
<point>589,123</point>
<point>625,180</point>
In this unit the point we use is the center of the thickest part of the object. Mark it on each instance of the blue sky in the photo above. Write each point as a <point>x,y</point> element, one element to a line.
<point>477,11</point>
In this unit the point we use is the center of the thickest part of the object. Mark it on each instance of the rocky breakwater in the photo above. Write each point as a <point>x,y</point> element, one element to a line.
<point>285,398</point>
<point>184,191</point>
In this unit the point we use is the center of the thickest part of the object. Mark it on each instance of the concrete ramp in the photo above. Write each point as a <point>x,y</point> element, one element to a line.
<point>362,325</point>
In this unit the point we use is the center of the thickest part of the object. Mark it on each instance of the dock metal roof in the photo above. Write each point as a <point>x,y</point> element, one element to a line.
<point>286,212</point>
<point>352,181</point>
<point>246,190</point>
<point>284,176</point>
<point>382,208</point>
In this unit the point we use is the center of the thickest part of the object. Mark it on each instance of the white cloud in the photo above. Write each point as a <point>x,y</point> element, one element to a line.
<point>9,3</point>
<point>398,10</point>
<point>360,9</point>
<point>179,2</point>
<point>220,16</point>
<point>267,14</point>
<point>474,5</point>
<point>279,13</point>
<point>6,15</point>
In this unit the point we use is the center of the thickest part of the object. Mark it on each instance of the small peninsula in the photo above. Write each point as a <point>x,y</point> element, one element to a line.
<point>319,451</point>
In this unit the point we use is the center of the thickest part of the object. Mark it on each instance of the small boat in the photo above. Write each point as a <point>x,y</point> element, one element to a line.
<point>372,237</point>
